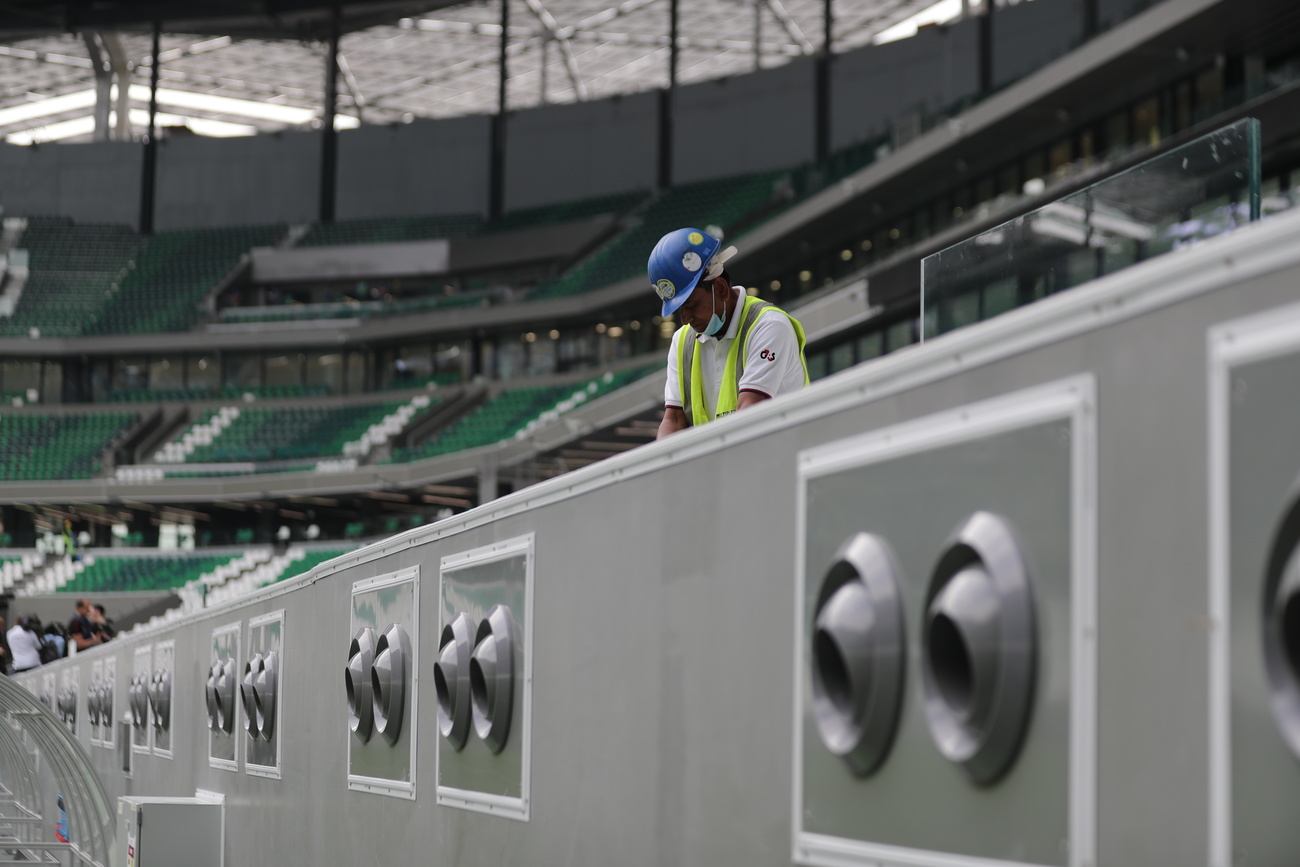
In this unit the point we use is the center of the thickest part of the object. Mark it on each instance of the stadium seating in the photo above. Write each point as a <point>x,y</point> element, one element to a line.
<point>389,230</point>
<point>48,446</point>
<point>514,412</point>
<point>74,269</point>
<point>172,272</point>
<point>729,203</point>
<point>106,573</point>
<point>285,433</point>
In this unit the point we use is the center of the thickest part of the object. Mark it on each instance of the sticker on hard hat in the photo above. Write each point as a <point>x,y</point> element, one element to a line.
<point>691,261</point>
<point>665,289</point>
<point>695,238</point>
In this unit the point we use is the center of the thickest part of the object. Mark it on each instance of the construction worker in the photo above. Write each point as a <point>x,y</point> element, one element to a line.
<point>732,350</point>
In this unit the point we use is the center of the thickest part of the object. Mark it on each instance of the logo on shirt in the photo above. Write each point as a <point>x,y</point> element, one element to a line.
<point>767,355</point>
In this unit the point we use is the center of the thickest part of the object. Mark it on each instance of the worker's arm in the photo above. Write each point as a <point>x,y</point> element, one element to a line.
<point>749,398</point>
<point>674,420</point>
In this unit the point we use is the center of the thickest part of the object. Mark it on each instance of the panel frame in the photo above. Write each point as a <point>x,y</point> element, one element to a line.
<point>1072,399</point>
<point>380,785</point>
<point>519,809</point>
<point>1259,337</point>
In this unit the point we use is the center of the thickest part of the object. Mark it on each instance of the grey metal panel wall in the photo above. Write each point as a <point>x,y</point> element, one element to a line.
<point>424,167</point>
<point>1031,35</point>
<point>237,181</point>
<point>98,182</point>
<point>665,626</point>
<point>565,152</point>
<point>749,123</point>
<point>872,86</point>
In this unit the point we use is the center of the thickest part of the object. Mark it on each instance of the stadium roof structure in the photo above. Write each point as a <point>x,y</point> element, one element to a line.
<point>238,68</point>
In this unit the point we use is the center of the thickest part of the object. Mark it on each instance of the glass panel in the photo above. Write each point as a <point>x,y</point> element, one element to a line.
<point>130,373</point>
<point>284,369</point>
<point>326,369</point>
<point>166,373</point>
<point>871,345</point>
<point>202,372</point>
<point>1204,188</point>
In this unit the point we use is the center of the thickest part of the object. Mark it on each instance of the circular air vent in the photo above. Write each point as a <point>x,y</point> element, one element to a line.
<point>979,649</point>
<point>388,682</point>
<point>1281,627</point>
<point>492,677</point>
<point>160,699</point>
<point>220,694</point>
<point>361,656</point>
<point>264,686</point>
<point>139,700</point>
<point>451,680</point>
<point>858,654</point>
<point>248,701</point>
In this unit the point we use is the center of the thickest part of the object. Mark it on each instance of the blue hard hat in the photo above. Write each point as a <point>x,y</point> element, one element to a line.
<point>677,263</point>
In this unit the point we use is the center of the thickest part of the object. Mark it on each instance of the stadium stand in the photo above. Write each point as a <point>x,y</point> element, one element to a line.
<point>266,434</point>
<point>514,412</point>
<point>106,279</point>
<point>107,573</point>
<point>726,203</point>
<point>65,446</point>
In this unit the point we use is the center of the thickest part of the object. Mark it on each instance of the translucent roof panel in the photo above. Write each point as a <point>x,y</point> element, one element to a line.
<point>440,64</point>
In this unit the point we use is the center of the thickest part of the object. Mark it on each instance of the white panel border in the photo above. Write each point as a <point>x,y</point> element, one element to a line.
<point>1073,399</point>
<point>379,785</point>
<point>467,799</point>
<point>1258,337</point>
<point>221,632</point>
<point>272,772</point>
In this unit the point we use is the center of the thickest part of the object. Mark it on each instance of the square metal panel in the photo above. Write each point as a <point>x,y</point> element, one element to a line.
<point>262,753</point>
<point>1029,458</point>
<point>476,583</point>
<point>377,603</point>
<point>1254,462</point>
<point>223,745</point>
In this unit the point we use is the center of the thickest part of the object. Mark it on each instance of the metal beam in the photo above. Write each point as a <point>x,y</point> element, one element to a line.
<point>329,140</point>
<point>149,175</point>
<point>790,25</point>
<point>566,50</point>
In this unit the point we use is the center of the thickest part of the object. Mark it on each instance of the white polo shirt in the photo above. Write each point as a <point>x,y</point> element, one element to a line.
<point>772,366</point>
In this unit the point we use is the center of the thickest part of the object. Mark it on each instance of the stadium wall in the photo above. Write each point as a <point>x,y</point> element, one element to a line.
<point>423,167</point>
<point>98,182</point>
<point>565,152</point>
<point>247,180</point>
<point>663,605</point>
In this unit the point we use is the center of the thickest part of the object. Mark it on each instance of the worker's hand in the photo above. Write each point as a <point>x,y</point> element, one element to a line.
<point>674,420</point>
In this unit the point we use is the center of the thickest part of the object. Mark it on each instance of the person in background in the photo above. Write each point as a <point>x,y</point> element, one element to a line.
<point>25,643</point>
<point>99,617</point>
<point>81,630</point>
<point>56,643</point>
<point>5,656</point>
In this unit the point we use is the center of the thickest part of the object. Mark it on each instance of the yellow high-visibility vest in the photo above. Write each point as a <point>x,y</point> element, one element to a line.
<point>690,377</point>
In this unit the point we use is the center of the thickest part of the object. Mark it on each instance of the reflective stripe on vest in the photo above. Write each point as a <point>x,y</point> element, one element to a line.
<point>690,377</point>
